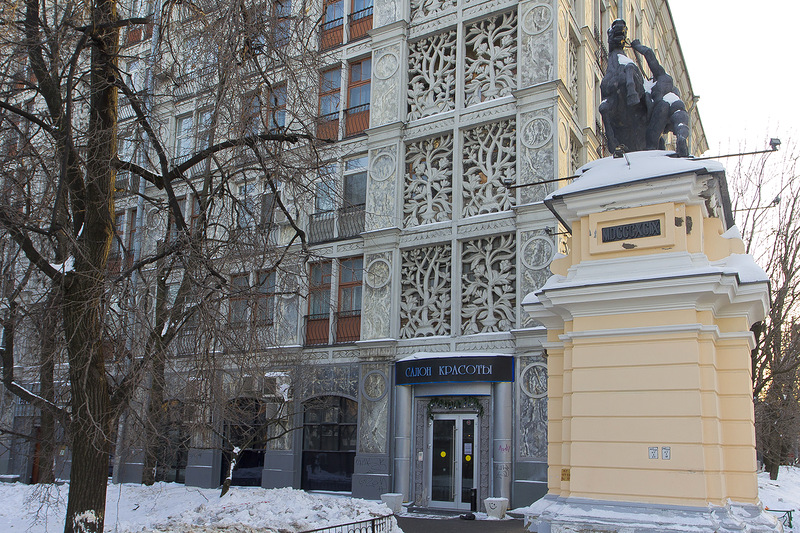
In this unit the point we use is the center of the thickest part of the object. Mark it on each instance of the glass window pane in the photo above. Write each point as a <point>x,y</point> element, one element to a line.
<point>357,163</point>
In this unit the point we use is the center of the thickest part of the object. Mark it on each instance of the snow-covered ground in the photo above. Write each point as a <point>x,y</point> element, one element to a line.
<point>172,508</point>
<point>783,493</point>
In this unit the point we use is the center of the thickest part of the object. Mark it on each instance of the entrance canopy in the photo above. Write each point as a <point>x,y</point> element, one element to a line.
<point>453,367</point>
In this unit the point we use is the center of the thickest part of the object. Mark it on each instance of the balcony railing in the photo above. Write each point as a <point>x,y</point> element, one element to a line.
<point>322,227</point>
<point>360,23</point>
<point>317,328</point>
<point>344,223</point>
<point>328,126</point>
<point>331,33</point>
<point>126,183</point>
<point>351,221</point>
<point>348,326</point>
<point>356,120</point>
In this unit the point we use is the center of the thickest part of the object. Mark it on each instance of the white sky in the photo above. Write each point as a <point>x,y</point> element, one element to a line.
<point>743,59</point>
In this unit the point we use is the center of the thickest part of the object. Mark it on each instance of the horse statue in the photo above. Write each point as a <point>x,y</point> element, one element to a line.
<point>637,113</point>
<point>623,105</point>
<point>665,109</point>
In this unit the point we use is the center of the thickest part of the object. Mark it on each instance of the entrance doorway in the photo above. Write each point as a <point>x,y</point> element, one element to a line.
<point>453,454</point>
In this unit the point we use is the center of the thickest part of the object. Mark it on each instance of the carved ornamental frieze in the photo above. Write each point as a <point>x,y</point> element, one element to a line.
<point>428,195</point>
<point>425,303</point>
<point>488,285</point>
<point>491,58</point>
<point>488,161</point>
<point>432,75</point>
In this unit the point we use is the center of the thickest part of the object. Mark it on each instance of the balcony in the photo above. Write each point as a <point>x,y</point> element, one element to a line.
<point>328,126</point>
<point>348,326</point>
<point>360,23</point>
<point>351,221</point>
<point>331,34</point>
<point>343,223</point>
<point>317,328</point>
<point>356,120</point>
<point>126,184</point>
<point>322,227</point>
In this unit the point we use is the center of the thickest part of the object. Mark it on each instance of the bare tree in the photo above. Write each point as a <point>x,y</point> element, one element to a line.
<point>70,83</point>
<point>766,195</point>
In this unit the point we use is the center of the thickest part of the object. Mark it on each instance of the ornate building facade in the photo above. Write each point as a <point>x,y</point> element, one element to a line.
<point>452,120</point>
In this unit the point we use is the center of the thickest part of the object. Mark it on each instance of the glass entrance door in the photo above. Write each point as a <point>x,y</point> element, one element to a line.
<point>452,455</point>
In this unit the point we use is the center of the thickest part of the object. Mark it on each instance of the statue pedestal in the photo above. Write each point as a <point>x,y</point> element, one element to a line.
<point>650,406</point>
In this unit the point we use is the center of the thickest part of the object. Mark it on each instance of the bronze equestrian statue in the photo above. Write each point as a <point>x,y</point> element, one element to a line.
<point>636,114</point>
<point>665,109</point>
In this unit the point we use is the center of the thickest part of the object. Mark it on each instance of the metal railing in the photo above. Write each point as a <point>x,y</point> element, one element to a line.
<point>331,33</point>
<point>381,524</point>
<point>348,326</point>
<point>360,23</point>
<point>356,119</point>
<point>328,126</point>
<point>351,221</point>
<point>785,516</point>
<point>322,227</point>
<point>317,328</point>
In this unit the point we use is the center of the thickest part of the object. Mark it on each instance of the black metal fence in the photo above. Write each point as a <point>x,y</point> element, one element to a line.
<point>381,524</point>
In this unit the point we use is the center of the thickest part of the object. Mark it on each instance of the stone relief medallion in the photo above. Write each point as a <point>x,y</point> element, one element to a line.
<point>563,138</point>
<point>533,380</point>
<point>379,272</point>
<point>386,66</point>
<point>537,19</point>
<point>374,385</point>
<point>562,25</point>
<point>536,133</point>
<point>537,252</point>
<point>383,167</point>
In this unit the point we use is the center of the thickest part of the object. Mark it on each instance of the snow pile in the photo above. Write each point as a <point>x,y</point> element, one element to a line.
<point>173,508</point>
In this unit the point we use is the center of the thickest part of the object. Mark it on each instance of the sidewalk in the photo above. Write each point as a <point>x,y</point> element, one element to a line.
<point>410,524</point>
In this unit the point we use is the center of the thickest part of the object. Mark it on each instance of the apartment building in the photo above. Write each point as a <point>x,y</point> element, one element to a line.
<point>399,340</point>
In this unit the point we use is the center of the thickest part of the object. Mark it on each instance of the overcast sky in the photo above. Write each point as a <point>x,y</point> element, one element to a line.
<point>744,61</point>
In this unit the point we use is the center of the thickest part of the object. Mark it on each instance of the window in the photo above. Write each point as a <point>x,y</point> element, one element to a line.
<point>172,225</point>
<point>270,211</point>
<point>282,12</point>
<point>319,303</point>
<point>251,114</point>
<point>246,206</point>
<point>360,18</point>
<point>358,93</point>
<point>348,319</point>
<point>136,75</point>
<point>331,33</point>
<point>264,308</point>
<point>184,137</point>
<point>351,215</point>
<point>127,182</point>
<point>330,429</point>
<point>276,108</point>
<point>329,98</point>
<point>339,202</point>
<point>322,223</point>
<point>239,300</point>
<point>347,314</point>
<point>131,237</point>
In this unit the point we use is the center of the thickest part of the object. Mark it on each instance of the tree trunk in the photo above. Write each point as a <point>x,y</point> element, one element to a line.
<point>153,421</point>
<point>84,288</point>
<point>47,362</point>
